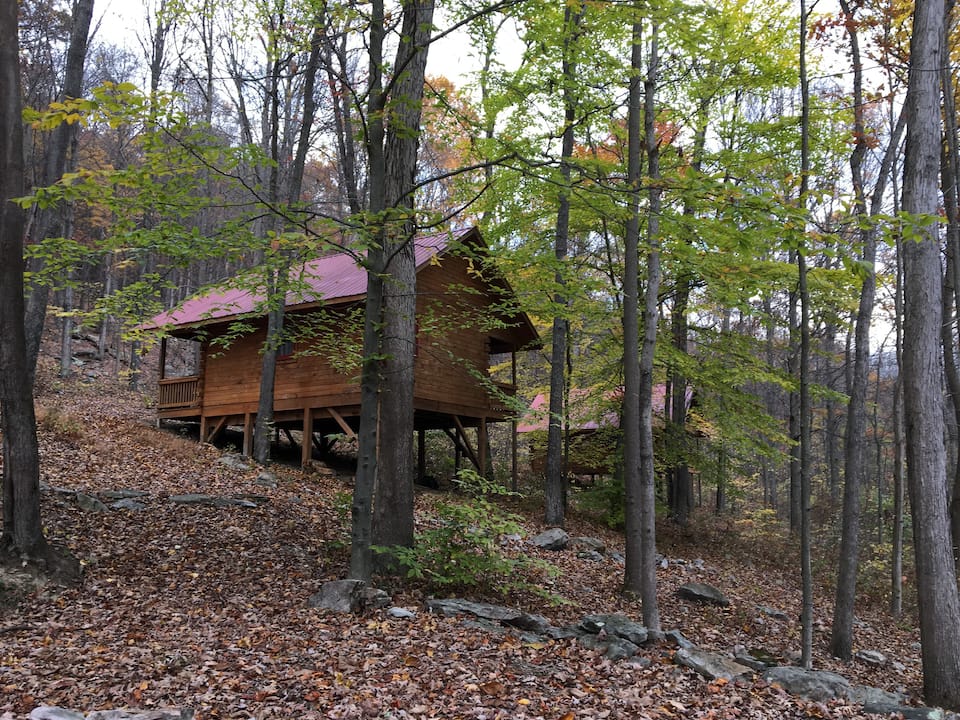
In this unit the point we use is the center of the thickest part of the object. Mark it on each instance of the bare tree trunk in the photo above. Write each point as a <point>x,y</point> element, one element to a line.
<point>385,455</point>
<point>22,531</point>
<point>49,221</point>
<point>640,573</point>
<point>841,641</point>
<point>66,333</point>
<point>555,491</point>
<point>926,456</point>
<point>806,468</point>
<point>896,559</point>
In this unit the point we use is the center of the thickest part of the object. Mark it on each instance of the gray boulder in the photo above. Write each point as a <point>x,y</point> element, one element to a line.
<point>122,494</point>
<point>267,479</point>
<point>90,503</point>
<point>487,611</point>
<point>127,504</point>
<point>710,665</point>
<point>675,637</point>
<point>613,647</point>
<point>347,596</point>
<point>816,685</point>
<point>701,592</point>
<point>588,543</point>
<point>47,712</point>
<point>871,657</point>
<point>617,625</point>
<point>552,539</point>
<point>401,613</point>
<point>235,461</point>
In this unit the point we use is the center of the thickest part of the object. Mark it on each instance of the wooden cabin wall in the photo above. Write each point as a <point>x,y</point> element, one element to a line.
<point>449,347</point>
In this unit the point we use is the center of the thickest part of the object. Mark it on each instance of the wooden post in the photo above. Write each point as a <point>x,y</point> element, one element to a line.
<point>421,454</point>
<point>203,428</point>
<point>514,479</point>
<point>163,358</point>
<point>306,446</point>
<point>482,446</point>
<point>248,434</point>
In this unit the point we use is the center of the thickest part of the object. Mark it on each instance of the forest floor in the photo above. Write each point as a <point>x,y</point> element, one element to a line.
<point>206,607</point>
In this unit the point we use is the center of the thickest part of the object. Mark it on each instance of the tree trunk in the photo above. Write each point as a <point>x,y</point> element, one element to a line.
<point>383,493</point>
<point>48,222</point>
<point>950,174</point>
<point>22,531</point>
<point>937,595</point>
<point>806,420</point>
<point>555,491</point>
<point>841,641</point>
<point>640,572</point>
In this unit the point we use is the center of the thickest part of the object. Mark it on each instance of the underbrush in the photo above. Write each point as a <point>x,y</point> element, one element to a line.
<point>471,544</point>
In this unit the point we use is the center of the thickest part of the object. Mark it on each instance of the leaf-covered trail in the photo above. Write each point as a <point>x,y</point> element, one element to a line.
<point>205,607</point>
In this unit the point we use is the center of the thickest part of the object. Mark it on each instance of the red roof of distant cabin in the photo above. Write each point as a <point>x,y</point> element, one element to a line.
<point>585,413</point>
<point>332,278</point>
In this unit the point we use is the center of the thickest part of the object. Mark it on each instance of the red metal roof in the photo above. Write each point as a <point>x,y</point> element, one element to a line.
<point>329,279</point>
<point>588,409</point>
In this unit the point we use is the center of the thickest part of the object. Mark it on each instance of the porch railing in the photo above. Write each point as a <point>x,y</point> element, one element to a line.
<point>181,392</point>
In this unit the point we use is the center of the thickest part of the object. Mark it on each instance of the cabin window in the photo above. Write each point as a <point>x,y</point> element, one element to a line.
<point>285,351</point>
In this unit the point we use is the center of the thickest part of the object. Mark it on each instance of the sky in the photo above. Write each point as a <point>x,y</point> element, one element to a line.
<point>122,21</point>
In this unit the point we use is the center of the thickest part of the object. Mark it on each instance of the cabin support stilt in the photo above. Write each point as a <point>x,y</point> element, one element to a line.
<point>421,454</point>
<point>483,447</point>
<point>342,423</point>
<point>248,434</point>
<point>306,449</point>
<point>514,480</point>
<point>464,443</point>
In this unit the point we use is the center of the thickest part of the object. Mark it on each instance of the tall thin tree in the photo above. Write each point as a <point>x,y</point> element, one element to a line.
<point>937,594</point>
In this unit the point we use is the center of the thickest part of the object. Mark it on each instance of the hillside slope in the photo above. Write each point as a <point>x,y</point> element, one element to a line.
<point>205,606</point>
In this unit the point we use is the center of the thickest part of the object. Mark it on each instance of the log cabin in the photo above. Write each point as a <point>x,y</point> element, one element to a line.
<point>467,322</point>
<point>592,435</point>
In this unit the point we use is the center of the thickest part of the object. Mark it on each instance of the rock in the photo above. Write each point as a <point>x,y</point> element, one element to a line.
<point>711,665</point>
<point>774,613</point>
<point>552,539</point>
<point>267,479</point>
<point>618,558</point>
<point>371,597</point>
<point>122,494</point>
<point>588,543</point>
<point>530,622</point>
<point>743,657</point>
<point>216,501</point>
<point>127,504</point>
<point>401,613</point>
<point>46,712</point>
<point>565,633</point>
<point>141,715</point>
<point>816,685</point>
<point>235,461</point>
<point>486,611</point>
<point>90,503</point>
<point>877,697</point>
<point>591,555</point>
<point>343,596</point>
<point>613,647</point>
<point>617,625</point>
<point>871,657</point>
<point>701,592</point>
<point>676,638</point>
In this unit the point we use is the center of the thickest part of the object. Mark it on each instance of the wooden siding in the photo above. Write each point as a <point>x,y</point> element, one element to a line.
<point>451,353</point>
